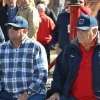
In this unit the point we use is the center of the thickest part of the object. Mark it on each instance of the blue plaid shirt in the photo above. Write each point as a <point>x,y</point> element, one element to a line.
<point>24,67</point>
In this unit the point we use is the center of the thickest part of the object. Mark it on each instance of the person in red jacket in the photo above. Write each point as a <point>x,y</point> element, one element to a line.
<point>84,8</point>
<point>46,27</point>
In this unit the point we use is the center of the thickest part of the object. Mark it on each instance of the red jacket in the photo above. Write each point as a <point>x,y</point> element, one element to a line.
<point>86,10</point>
<point>46,26</point>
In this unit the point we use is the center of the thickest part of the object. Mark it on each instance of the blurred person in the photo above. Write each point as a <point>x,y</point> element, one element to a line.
<point>2,38</point>
<point>26,8</point>
<point>44,34</point>
<point>84,7</point>
<point>7,13</point>
<point>77,67</point>
<point>0,4</point>
<point>60,34</point>
<point>98,18</point>
<point>23,63</point>
<point>49,12</point>
<point>65,5</point>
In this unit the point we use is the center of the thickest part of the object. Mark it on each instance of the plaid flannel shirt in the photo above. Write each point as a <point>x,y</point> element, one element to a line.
<point>24,67</point>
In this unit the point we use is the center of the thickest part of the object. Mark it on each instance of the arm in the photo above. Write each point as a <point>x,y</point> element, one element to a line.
<point>34,21</point>
<point>59,78</point>
<point>51,14</point>
<point>40,66</point>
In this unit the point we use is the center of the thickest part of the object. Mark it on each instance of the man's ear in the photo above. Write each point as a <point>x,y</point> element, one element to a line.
<point>25,31</point>
<point>95,30</point>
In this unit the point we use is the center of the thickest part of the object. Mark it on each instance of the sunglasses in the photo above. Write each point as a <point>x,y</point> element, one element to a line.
<point>14,28</point>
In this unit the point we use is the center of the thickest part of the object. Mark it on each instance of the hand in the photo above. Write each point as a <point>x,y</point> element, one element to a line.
<point>23,96</point>
<point>55,96</point>
<point>57,48</point>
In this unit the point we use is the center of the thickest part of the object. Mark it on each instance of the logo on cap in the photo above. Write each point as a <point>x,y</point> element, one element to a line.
<point>81,21</point>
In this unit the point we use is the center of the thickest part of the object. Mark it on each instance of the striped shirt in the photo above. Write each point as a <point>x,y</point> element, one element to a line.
<point>24,67</point>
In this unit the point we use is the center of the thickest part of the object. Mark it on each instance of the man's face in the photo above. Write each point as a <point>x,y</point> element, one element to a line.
<point>21,3</point>
<point>87,36</point>
<point>66,4</point>
<point>15,33</point>
<point>11,3</point>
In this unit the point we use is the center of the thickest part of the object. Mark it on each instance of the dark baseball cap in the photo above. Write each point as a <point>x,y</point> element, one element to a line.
<point>86,22</point>
<point>19,22</point>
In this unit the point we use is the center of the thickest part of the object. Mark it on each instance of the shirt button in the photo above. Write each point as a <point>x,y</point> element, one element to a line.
<point>14,90</point>
<point>13,79</point>
<point>15,60</point>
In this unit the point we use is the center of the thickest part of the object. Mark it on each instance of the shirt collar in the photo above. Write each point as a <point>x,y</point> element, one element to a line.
<point>92,45</point>
<point>23,41</point>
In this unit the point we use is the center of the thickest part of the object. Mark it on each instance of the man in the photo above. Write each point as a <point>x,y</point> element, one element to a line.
<point>84,7</point>
<point>23,65</point>
<point>26,8</point>
<point>76,75</point>
<point>49,12</point>
<point>7,13</point>
<point>46,27</point>
<point>60,35</point>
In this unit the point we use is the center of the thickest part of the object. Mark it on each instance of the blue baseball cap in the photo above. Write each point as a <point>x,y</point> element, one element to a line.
<point>86,22</point>
<point>19,22</point>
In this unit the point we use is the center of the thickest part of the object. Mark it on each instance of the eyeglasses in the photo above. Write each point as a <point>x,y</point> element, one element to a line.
<point>14,28</point>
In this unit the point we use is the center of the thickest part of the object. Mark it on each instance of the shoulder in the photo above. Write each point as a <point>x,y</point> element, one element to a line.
<point>4,45</point>
<point>35,44</point>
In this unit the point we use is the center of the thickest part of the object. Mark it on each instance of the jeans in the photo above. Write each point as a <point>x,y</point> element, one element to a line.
<point>37,97</point>
<point>4,95</point>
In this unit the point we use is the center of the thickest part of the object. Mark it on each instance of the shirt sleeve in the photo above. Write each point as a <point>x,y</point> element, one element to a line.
<point>40,70</point>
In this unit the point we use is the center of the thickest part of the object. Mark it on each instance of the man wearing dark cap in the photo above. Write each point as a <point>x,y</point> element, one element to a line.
<point>77,70</point>
<point>23,65</point>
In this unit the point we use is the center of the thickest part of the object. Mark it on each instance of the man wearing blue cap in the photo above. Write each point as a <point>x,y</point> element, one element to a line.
<point>23,65</point>
<point>77,70</point>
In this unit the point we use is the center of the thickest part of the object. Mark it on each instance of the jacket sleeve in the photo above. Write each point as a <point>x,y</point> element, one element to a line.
<point>53,16</point>
<point>34,21</point>
<point>59,75</point>
<point>55,33</point>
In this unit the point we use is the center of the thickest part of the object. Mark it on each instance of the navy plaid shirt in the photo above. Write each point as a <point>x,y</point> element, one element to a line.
<point>24,67</point>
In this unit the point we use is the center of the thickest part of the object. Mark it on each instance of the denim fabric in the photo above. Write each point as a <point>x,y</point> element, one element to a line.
<point>37,97</point>
<point>4,95</point>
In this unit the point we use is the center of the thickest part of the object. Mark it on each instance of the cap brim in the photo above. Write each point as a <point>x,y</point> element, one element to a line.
<point>83,28</point>
<point>12,24</point>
